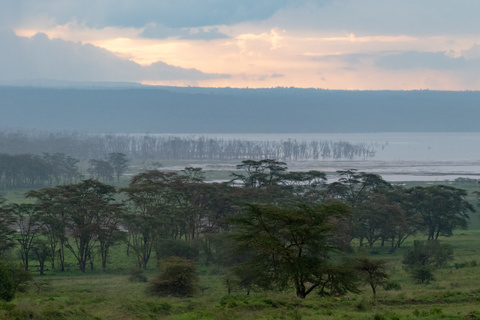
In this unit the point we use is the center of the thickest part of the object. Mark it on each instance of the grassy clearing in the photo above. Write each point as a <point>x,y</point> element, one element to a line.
<point>110,295</point>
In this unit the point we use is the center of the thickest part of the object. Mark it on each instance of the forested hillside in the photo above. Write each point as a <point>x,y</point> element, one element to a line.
<point>209,110</point>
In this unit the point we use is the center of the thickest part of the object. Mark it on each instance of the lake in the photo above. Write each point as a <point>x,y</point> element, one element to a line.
<point>399,156</point>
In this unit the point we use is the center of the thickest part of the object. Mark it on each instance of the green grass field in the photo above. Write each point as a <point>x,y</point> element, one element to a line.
<point>455,294</point>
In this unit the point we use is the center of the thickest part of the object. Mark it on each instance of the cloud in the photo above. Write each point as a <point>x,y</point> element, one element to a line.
<point>157,31</point>
<point>387,17</point>
<point>472,53</point>
<point>424,60</point>
<point>406,60</point>
<point>41,57</point>
<point>412,17</point>
<point>205,34</point>
<point>271,76</point>
<point>134,13</point>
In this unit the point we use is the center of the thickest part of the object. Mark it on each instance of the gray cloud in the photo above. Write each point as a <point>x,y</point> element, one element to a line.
<point>40,57</point>
<point>270,76</point>
<point>156,31</point>
<point>424,60</point>
<point>205,34</point>
<point>134,13</point>
<point>412,17</point>
<point>468,62</point>
<point>388,17</point>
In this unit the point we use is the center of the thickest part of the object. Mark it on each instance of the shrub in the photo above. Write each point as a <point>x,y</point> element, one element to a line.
<point>393,285</point>
<point>422,274</point>
<point>137,275</point>
<point>12,279</point>
<point>7,287</point>
<point>378,317</point>
<point>178,277</point>
<point>423,258</point>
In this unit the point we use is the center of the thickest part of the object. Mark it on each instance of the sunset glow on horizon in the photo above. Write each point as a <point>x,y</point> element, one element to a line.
<point>292,44</point>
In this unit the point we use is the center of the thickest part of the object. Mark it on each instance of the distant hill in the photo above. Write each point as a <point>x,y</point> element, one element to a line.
<point>129,109</point>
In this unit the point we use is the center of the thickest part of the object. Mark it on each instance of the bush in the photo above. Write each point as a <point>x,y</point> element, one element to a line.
<point>393,285</point>
<point>137,275</point>
<point>12,279</point>
<point>422,274</point>
<point>423,258</point>
<point>178,277</point>
<point>7,287</point>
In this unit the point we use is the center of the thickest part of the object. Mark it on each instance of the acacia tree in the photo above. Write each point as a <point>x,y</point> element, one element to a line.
<point>259,174</point>
<point>40,252</point>
<point>28,225</point>
<point>356,190</point>
<point>309,184</point>
<point>89,205</point>
<point>53,214</point>
<point>373,273</point>
<point>101,169</point>
<point>290,246</point>
<point>354,187</point>
<point>150,216</point>
<point>442,208</point>
<point>118,162</point>
<point>76,215</point>
<point>384,216</point>
<point>109,233</point>
<point>402,221</point>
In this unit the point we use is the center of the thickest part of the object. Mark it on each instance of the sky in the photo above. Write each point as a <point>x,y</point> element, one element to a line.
<point>328,44</point>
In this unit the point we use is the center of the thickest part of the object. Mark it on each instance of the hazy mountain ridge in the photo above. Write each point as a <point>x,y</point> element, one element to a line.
<point>228,110</point>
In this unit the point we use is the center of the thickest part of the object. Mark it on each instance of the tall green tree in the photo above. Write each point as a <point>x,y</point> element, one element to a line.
<point>53,214</point>
<point>442,208</point>
<point>119,163</point>
<point>354,187</point>
<point>27,225</point>
<point>259,174</point>
<point>357,190</point>
<point>77,215</point>
<point>101,169</point>
<point>373,272</point>
<point>289,246</point>
<point>40,252</point>
<point>150,216</point>
<point>309,185</point>
<point>90,204</point>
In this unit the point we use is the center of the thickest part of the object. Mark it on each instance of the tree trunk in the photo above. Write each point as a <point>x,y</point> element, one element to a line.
<point>301,293</point>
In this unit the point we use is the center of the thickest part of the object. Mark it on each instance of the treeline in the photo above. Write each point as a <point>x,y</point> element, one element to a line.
<point>29,170</point>
<point>178,214</point>
<point>22,171</point>
<point>92,146</point>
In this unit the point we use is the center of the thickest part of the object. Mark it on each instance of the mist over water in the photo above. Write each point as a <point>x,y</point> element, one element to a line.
<point>398,157</point>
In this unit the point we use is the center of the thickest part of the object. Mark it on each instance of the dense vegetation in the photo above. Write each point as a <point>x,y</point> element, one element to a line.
<point>264,237</point>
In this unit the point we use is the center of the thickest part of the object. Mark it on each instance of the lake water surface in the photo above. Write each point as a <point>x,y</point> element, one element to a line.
<point>399,156</point>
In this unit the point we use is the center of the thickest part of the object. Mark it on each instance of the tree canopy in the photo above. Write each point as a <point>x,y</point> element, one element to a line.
<point>288,246</point>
